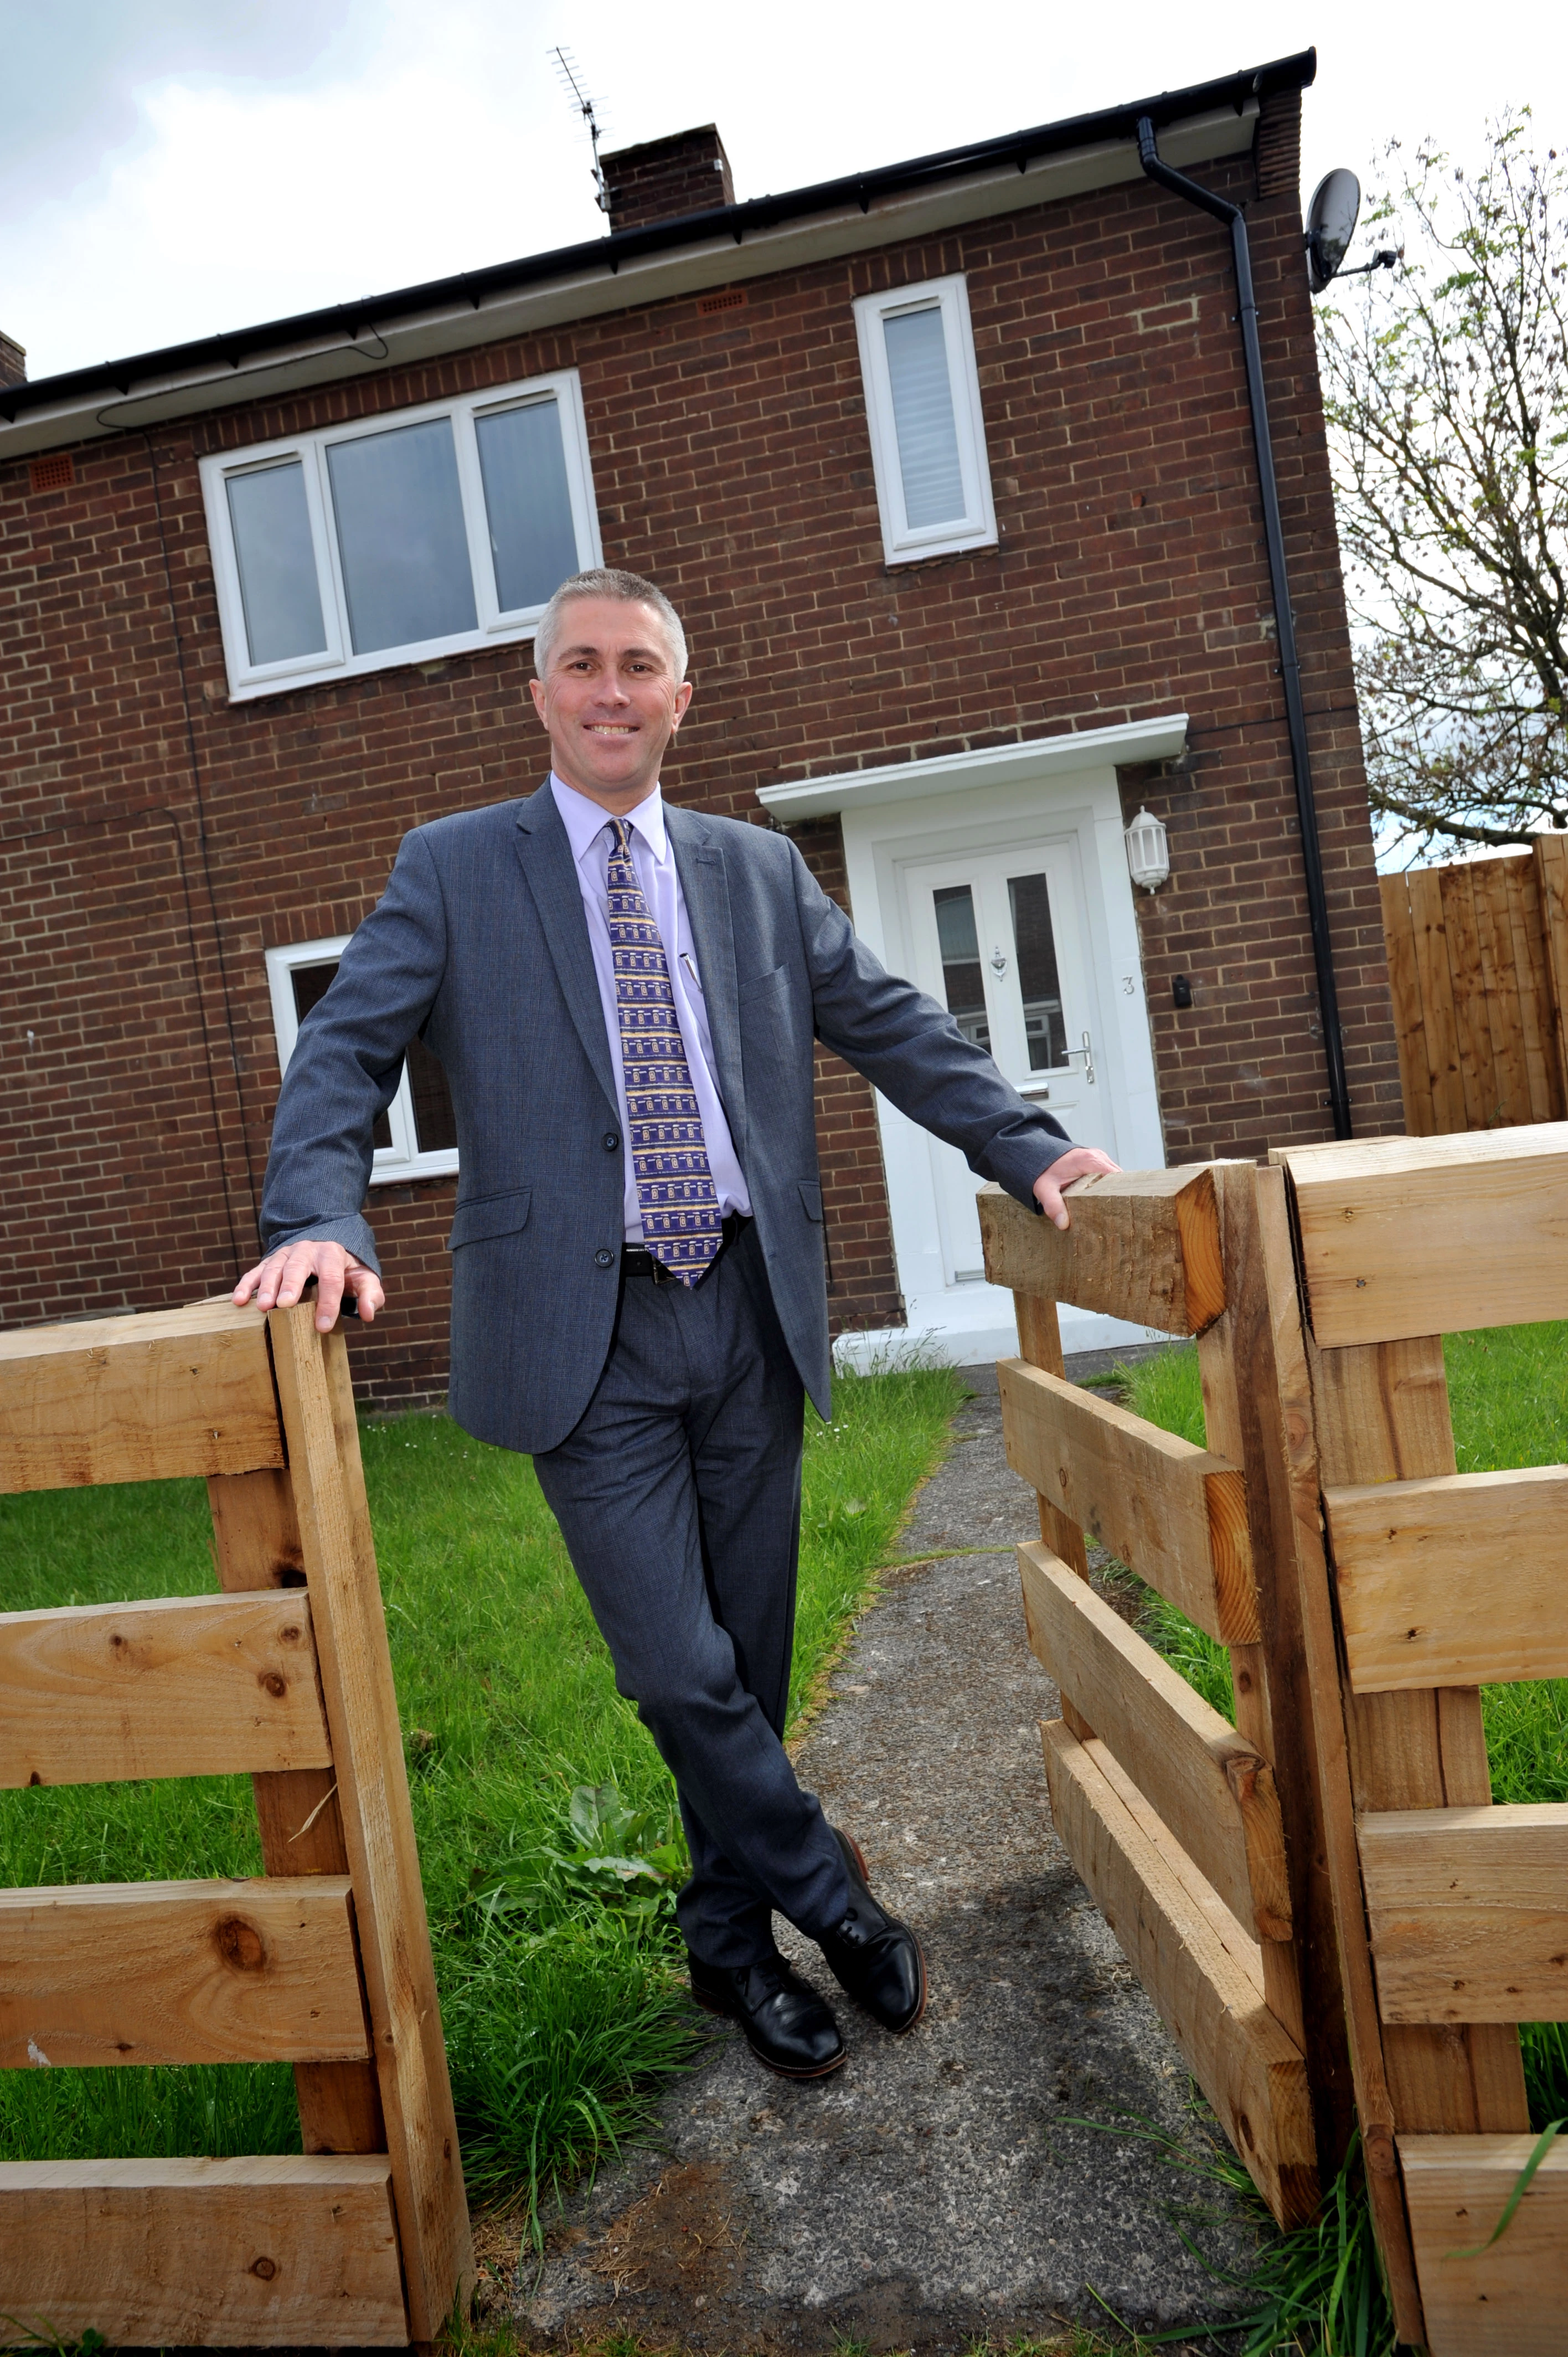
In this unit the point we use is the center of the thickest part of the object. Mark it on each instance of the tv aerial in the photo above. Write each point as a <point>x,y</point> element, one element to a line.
<point>567,68</point>
<point>1330,225</point>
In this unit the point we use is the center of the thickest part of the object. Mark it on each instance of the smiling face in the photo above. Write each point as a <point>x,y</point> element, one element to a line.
<point>610,700</point>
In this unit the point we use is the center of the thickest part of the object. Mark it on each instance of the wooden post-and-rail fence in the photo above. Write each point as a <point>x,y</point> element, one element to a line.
<point>1200,1840</point>
<point>1322,1900</point>
<point>324,1961</point>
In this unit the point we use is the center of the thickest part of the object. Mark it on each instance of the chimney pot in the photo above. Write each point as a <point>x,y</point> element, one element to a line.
<point>13,361</point>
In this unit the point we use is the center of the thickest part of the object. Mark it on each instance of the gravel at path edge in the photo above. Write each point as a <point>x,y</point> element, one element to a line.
<point>933,2191</point>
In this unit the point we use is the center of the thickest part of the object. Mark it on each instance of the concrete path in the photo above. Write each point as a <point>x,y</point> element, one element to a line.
<point>933,2192</point>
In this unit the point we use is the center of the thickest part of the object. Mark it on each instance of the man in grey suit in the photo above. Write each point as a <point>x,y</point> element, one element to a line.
<point>625,998</point>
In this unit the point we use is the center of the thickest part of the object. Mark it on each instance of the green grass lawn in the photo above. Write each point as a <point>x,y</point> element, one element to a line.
<point>559,1984</point>
<point>1508,1388</point>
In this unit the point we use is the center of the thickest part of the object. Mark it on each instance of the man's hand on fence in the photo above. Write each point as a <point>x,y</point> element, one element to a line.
<point>1077,1162</point>
<point>278,1281</point>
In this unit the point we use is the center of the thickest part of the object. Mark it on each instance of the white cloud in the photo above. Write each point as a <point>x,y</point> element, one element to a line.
<point>438,139</point>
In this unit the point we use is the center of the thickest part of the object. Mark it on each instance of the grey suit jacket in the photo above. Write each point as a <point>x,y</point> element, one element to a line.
<point>480,947</point>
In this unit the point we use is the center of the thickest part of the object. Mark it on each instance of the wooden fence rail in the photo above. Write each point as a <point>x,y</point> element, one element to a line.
<point>1478,967</point>
<point>324,1961</point>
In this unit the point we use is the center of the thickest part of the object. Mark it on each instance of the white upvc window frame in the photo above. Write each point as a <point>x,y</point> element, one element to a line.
<point>902,542</point>
<point>338,660</point>
<point>389,1164</point>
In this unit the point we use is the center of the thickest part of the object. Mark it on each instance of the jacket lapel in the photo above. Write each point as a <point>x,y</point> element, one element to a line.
<point>544,849</point>
<point>704,886</point>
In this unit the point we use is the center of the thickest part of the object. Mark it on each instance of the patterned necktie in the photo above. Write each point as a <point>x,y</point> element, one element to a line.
<point>675,1193</point>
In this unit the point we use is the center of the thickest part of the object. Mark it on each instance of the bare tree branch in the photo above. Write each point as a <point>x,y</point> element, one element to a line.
<point>1446,394</point>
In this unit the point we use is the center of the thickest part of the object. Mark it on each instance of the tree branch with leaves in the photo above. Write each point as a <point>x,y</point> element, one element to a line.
<point>1446,396</point>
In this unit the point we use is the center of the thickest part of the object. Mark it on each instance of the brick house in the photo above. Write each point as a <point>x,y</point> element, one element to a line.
<point>950,469</point>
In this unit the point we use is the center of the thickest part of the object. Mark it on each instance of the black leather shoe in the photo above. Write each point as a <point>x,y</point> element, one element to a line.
<point>787,2025</point>
<point>873,1955</point>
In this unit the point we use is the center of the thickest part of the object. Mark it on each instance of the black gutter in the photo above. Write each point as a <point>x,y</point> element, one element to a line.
<point>1235,220</point>
<point>350,320</point>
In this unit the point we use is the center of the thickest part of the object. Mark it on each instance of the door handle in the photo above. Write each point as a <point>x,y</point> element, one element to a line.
<point>1087,1052</point>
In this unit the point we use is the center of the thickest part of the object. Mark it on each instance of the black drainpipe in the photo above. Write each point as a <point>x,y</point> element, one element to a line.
<point>1285,621</point>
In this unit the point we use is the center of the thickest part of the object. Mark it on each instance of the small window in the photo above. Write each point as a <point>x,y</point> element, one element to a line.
<point>927,436</point>
<point>399,539</point>
<point>416,1137</point>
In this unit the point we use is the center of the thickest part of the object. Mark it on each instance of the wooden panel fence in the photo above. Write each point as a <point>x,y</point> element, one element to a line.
<point>1201,1841</point>
<point>1478,967</point>
<point>361,2239</point>
<point>1417,1584</point>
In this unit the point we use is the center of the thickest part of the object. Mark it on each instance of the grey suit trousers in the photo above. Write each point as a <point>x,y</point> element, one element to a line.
<point>678,1494</point>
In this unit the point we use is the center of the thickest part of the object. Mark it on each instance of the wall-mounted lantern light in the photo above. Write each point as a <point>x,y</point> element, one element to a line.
<point>1148,851</point>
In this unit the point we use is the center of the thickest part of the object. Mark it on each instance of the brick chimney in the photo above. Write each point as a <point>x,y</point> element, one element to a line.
<point>666,178</point>
<point>13,362</point>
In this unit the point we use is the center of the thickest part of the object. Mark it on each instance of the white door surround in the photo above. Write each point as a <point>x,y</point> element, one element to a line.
<point>1052,803</point>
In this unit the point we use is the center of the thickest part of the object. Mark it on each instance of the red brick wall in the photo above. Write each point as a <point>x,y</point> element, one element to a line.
<point>158,840</point>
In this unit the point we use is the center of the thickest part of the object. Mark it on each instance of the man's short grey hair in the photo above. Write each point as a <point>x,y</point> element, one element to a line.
<point>628,589</point>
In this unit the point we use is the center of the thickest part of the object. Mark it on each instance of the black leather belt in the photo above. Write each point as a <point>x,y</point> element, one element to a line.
<point>638,1261</point>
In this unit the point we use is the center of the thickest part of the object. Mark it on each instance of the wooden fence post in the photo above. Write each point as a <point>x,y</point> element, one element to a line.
<point>1243,1360</point>
<point>315,1395</point>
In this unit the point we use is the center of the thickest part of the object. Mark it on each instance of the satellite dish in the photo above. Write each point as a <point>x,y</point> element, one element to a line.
<point>1330,225</point>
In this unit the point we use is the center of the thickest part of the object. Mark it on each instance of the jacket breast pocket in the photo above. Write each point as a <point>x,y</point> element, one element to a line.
<point>762,985</point>
<point>490,1215</point>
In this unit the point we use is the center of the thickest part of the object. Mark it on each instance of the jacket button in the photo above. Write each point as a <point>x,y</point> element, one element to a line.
<point>602,1259</point>
<point>612,1139</point>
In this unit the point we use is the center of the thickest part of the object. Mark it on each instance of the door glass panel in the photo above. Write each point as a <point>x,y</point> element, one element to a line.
<point>923,416</point>
<point>963,984</point>
<point>1044,1026</point>
<point>278,585</point>
<point>532,538</point>
<point>311,984</point>
<point>406,573</point>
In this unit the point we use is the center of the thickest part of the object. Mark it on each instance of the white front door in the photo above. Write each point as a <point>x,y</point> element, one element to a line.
<point>997,880</point>
<point>997,938</point>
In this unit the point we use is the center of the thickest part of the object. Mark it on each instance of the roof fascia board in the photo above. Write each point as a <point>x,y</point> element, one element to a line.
<point>654,277</point>
<point>1119,746</point>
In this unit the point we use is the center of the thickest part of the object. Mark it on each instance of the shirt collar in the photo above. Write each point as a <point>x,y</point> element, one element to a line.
<point>586,821</point>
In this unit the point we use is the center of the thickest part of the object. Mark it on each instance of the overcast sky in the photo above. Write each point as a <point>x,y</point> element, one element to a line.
<point>175,166</point>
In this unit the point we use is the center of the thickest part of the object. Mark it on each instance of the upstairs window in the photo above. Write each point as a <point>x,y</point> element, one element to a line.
<point>399,539</point>
<point>927,437</point>
<point>416,1137</point>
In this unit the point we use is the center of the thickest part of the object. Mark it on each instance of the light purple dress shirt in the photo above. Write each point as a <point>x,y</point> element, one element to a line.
<point>588,829</point>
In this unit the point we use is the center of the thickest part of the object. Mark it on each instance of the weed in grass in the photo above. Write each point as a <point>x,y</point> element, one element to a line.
<point>559,1990</point>
<point>632,1861</point>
